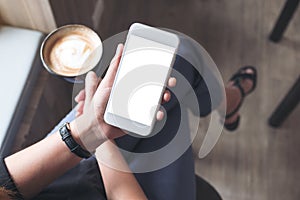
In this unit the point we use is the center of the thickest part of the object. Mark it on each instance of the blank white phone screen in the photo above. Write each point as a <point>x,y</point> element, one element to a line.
<point>140,80</point>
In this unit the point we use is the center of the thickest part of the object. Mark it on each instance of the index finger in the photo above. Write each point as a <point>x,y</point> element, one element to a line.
<point>113,67</point>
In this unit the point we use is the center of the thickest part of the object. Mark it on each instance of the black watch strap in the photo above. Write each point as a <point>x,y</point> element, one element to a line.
<point>71,143</point>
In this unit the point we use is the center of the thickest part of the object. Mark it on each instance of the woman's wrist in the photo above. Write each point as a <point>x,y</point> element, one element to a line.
<point>86,134</point>
<point>76,131</point>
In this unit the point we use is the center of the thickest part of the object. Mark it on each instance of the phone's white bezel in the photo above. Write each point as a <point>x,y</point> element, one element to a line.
<point>156,35</point>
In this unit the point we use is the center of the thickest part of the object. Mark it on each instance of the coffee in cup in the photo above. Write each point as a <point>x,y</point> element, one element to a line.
<point>71,50</point>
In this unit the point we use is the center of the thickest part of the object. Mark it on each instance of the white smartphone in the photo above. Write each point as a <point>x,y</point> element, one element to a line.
<point>143,72</point>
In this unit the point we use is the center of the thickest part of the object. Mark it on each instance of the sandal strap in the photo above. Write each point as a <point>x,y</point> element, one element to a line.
<point>235,110</point>
<point>237,83</point>
<point>233,126</point>
<point>253,78</point>
<point>236,78</point>
<point>241,75</point>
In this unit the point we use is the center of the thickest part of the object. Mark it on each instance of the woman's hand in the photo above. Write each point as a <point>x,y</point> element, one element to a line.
<point>92,102</point>
<point>89,128</point>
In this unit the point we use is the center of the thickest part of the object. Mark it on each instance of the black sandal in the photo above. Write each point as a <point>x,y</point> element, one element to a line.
<point>236,78</point>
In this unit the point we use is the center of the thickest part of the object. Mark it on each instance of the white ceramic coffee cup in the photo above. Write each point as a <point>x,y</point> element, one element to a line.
<point>71,51</point>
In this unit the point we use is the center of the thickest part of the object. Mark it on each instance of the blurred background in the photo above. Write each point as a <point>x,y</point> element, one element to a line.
<point>255,162</point>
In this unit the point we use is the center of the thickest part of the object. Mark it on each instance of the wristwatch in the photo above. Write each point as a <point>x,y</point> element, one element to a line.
<point>75,148</point>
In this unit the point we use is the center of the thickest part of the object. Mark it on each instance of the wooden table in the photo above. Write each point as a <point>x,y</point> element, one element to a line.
<point>50,100</point>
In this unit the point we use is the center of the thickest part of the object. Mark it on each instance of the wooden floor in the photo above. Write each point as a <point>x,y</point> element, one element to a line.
<point>255,162</point>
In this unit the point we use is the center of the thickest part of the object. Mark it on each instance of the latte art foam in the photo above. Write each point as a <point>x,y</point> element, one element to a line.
<point>71,50</point>
<point>70,53</point>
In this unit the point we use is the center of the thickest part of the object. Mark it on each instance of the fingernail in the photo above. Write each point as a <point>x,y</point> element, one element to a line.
<point>118,49</point>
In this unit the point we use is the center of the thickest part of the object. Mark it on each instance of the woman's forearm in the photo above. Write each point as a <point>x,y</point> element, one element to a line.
<point>118,184</point>
<point>38,165</point>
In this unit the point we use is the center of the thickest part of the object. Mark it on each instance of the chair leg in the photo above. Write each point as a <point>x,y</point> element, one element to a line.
<point>283,20</point>
<point>286,106</point>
